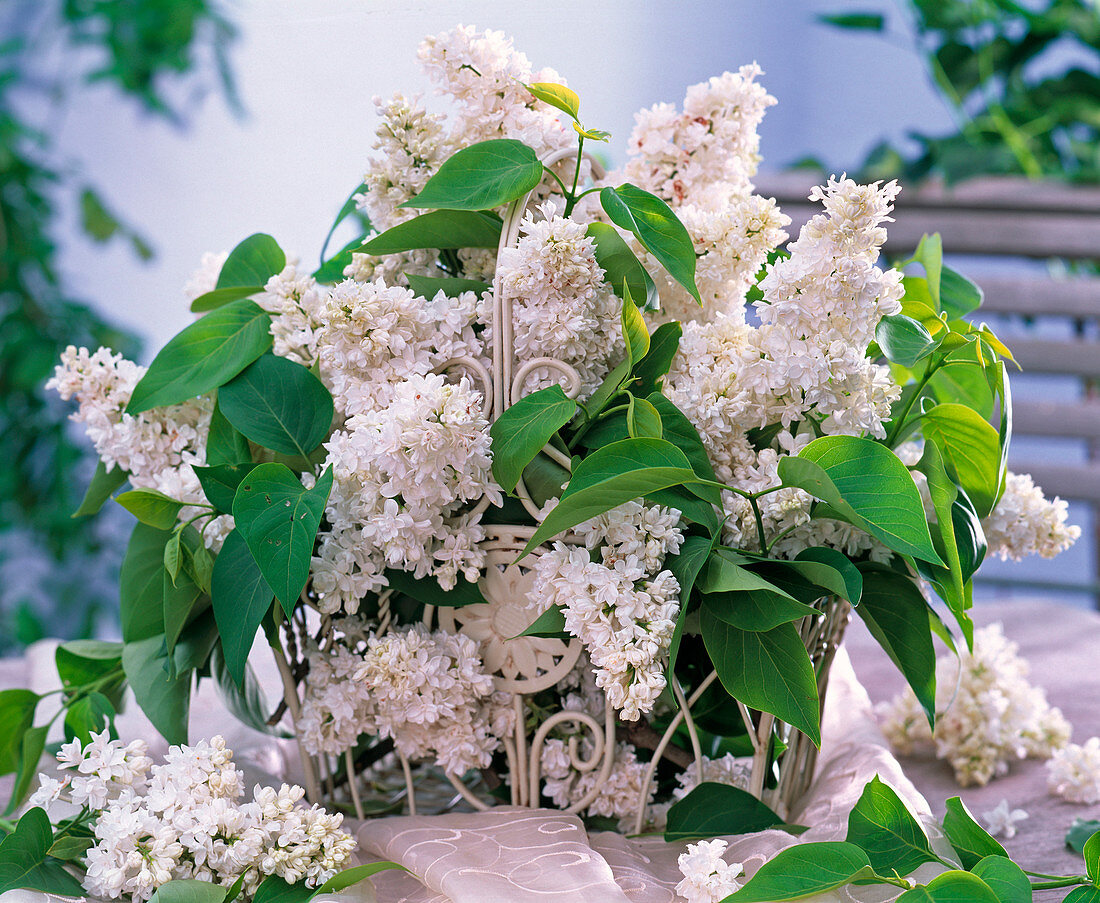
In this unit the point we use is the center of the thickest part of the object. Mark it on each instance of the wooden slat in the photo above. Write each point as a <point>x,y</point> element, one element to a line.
<point>1046,418</point>
<point>1051,356</point>
<point>986,193</point>
<point>981,232</point>
<point>1075,298</point>
<point>1077,483</point>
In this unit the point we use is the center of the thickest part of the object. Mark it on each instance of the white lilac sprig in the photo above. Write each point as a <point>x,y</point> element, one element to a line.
<point>188,818</point>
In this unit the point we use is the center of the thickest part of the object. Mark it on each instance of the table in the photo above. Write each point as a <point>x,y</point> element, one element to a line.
<point>1063,646</point>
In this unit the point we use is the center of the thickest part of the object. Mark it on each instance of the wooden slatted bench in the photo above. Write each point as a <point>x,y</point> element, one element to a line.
<point>1013,218</point>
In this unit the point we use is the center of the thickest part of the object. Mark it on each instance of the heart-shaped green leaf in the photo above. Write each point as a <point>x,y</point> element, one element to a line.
<point>279,518</point>
<point>241,597</point>
<point>865,482</point>
<point>524,428</point>
<point>278,404</point>
<point>768,670</point>
<point>252,262</point>
<point>887,832</point>
<point>23,862</point>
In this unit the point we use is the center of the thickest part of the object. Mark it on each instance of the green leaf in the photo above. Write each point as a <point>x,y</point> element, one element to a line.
<point>656,227</point>
<point>971,450</point>
<point>524,428</point>
<point>711,809</point>
<point>252,262</point>
<point>903,340</point>
<point>274,889</point>
<point>551,623</point>
<point>929,254</point>
<point>897,616</point>
<point>23,862</point>
<point>559,96</point>
<point>428,590</point>
<point>224,445</point>
<point>219,483</point>
<point>166,701</point>
<point>241,598</point>
<point>838,562</point>
<point>219,297</point>
<point>16,716</point>
<point>182,601</point>
<point>958,295</point>
<point>205,355</point>
<point>172,556</point>
<point>1080,831</point>
<point>768,670</point>
<point>594,134</point>
<point>756,609</point>
<point>278,404</point>
<point>354,875</point>
<point>427,287</point>
<point>943,494</point>
<point>610,476</point>
<point>649,372</point>
<point>1083,895</point>
<point>141,584</point>
<point>970,840</point>
<point>858,21</point>
<point>685,568</point>
<point>481,177</point>
<point>93,712</point>
<point>152,508</point>
<point>950,887</point>
<point>438,229</point>
<point>103,483</point>
<point>642,419</point>
<point>31,747</point>
<point>189,890</point>
<point>804,870</point>
<point>1091,852</point>
<point>70,848</point>
<point>887,832</point>
<point>866,483</point>
<point>1005,878</point>
<point>622,270</point>
<point>279,518</point>
<point>635,332</point>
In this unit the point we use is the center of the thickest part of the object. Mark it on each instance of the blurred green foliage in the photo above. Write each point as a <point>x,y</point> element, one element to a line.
<point>1022,78</point>
<point>56,572</point>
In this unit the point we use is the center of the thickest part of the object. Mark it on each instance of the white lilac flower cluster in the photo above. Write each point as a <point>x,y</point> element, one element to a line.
<point>484,77</point>
<point>708,878</point>
<point>701,160</point>
<point>988,714</point>
<point>187,818</point>
<point>616,795</point>
<point>427,691</point>
<point>1073,772</point>
<point>804,369</point>
<point>560,300</point>
<point>1025,522</point>
<point>621,606</point>
<point>159,449</point>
